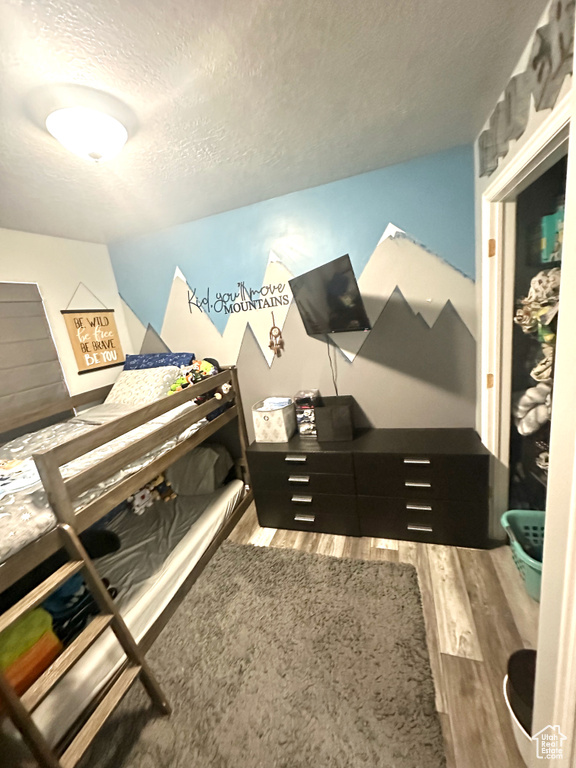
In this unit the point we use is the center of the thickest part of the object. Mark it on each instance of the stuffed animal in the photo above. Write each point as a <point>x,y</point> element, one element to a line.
<point>162,490</point>
<point>202,369</point>
<point>533,409</point>
<point>197,372</point>
<point>141,500</point>
<point>158,489</point>
<point>180,384</point>
<point>193,374</point>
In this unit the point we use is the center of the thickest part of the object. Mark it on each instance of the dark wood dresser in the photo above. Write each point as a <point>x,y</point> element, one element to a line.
<point>428,485</point>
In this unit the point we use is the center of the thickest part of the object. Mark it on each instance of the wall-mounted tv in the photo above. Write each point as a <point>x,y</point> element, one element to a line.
<point>328,299</point>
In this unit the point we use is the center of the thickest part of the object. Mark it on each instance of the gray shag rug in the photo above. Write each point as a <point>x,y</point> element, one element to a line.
<point>283,659</point>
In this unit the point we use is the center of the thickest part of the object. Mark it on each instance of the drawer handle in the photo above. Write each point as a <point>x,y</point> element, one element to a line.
<point>299,479</point>
<point>419,507</point>
<point>301,499</point>
<point>409,484</point>
<point>416,461</point>
<point>423,528</point>
<point>305,518</point>
<point>294,458</point>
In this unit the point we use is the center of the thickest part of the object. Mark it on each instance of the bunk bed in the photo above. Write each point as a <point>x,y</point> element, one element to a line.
<point>93,673</point>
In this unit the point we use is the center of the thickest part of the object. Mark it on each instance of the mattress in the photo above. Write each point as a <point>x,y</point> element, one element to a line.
<point>159,550</point>
<point>25,513</point>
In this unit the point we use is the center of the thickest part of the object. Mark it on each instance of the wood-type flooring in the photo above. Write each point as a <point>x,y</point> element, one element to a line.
<point>476,612</point>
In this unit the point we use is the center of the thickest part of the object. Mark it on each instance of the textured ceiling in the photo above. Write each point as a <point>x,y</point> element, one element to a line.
<point>240,100</point>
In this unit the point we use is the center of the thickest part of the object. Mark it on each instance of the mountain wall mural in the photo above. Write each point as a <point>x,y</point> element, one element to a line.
<point>416,367</point>
<point>427,283</point>
<point>407,374</point>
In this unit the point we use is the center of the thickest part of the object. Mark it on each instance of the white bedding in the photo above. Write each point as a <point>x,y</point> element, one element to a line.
<point>25,513</point>
<point>172,547</point>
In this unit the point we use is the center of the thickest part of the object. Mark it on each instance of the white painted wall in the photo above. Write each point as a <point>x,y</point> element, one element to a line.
<point>58,266</point>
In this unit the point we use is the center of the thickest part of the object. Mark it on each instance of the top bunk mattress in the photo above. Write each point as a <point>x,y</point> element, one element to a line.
<point>25,513</point>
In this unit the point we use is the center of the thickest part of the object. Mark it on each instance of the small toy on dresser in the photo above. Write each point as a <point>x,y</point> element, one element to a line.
<point>305,401</point>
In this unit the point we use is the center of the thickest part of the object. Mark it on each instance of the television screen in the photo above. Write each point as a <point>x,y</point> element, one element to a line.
<point>328,299</point>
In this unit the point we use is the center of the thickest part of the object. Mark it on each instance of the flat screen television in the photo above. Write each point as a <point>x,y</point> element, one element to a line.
<point>328,299</point>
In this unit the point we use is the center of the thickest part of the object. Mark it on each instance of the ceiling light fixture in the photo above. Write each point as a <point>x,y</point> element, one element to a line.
<point>88,133</point>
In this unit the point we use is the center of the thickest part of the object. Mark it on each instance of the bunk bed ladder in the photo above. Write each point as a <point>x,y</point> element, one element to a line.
<point>20,709</point>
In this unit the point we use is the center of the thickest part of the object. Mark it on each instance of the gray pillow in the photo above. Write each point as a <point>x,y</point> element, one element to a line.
<point>201,471</point>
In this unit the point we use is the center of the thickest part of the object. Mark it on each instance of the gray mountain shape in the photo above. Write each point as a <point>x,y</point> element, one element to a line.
<point>406,374</point>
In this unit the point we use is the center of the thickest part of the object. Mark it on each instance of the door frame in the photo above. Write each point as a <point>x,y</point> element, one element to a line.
<point>555,694</point>
<point>544,148</point>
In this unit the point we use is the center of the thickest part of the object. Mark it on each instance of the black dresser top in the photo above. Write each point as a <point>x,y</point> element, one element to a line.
<point>452,441</point>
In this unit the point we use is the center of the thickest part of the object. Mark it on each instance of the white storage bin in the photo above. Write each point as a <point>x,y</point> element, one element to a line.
<point>273,425</point>
<point>526,746</point>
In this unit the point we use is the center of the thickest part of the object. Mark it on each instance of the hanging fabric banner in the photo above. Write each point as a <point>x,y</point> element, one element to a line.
<point>94,337</point>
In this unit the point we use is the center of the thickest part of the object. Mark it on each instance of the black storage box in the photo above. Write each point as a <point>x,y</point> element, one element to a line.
<point>334,418</point>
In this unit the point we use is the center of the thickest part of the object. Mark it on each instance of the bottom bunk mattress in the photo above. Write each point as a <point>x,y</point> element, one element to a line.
<point>159,550</point>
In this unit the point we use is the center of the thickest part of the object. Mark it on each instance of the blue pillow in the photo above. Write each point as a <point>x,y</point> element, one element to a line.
<point>157,360</point>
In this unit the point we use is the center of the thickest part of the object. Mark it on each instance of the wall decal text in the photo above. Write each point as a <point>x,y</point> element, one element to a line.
<point>94,338</point>
<point>245,299</point>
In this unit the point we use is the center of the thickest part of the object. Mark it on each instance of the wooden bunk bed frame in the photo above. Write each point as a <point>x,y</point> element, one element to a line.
<point>61,495</point>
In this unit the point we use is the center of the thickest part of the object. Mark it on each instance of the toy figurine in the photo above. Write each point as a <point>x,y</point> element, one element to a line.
<point>158,489</point>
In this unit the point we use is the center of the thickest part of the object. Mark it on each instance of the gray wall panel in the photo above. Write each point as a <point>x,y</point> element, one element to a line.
<point>406,375</point>
<point>30,372</point>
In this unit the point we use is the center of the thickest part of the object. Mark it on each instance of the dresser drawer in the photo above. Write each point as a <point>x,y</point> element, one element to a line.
<point>299,481</point>
<point>323,513</point>
<point>443,522</point>
<point>421,477</point>
<point>300,462</point>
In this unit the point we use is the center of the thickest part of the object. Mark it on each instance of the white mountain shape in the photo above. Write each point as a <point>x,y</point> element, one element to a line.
<point>136,328</point>
<point>427,283</point>
<point>189,328</point>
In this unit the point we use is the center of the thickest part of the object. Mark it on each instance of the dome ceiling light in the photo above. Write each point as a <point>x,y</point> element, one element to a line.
<point>88,133</point>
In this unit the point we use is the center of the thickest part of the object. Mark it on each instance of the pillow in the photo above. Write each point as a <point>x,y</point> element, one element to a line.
<point>157,360</point>
<point>201,471</point>
<point>143,387</point>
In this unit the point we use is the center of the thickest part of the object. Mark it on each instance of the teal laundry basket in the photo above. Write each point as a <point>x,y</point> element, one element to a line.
<point>525,529</point>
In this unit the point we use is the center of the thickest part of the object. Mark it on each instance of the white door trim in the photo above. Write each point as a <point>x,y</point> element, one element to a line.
<point>546,145</point>
<point>531,159</point>
<point>555,701</point>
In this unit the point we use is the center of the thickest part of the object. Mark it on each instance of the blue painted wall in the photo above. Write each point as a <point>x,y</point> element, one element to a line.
<point>431,198</point>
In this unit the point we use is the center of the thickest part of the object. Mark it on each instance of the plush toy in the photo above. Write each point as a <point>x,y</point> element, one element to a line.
<point>202,369</point>
<point>193,374</point>
<point>158,489</point>
<point>197,372</point>
<point>180,384</point>
<point>141,500</point>
<point>162,490</point>
<point>533,409</point>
